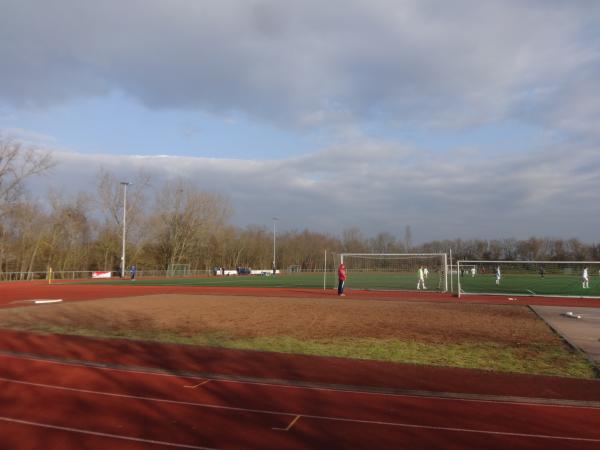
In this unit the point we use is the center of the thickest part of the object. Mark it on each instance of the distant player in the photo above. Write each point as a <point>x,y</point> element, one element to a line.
<point>341,279</point>
<point>421,275</point>
<point>133,272</point>
<point>425,272</point>
<point>473,272</point>
<point>585,279</point>
<point>541,271</point>
<point>498,275</point>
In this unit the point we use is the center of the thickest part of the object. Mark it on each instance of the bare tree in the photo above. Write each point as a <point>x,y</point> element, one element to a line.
<point>110,197</point>
<point>184,220</point>
<point>383,243</point>
<point>110,205</point>
<point>17,163</point>
<point>70,235</point>
<point>23,234</point>
<point>353,240</point>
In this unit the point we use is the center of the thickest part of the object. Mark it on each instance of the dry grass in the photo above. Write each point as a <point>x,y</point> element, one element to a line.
<point>496,337</point>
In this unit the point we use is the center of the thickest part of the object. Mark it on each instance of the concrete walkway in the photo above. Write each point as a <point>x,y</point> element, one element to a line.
<point>583,333</point>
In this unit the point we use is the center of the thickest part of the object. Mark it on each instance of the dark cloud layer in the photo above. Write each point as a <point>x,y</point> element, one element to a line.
<point>420,62</point>
<point>338,65</point>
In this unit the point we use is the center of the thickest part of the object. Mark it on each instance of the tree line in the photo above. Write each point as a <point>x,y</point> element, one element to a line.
<point>177,223</point>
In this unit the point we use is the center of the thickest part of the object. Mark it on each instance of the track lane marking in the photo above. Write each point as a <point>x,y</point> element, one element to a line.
<point>308,416</point>
<point>291,424</point>
<point>197,385</point>
<point>416,394</point>
<point>101,434</point>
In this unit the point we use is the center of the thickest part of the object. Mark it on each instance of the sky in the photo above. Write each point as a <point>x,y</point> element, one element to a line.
<point>461,119</point>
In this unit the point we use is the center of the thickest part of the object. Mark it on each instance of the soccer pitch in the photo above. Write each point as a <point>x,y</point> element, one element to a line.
<point>530,284</point>
<point>356,280</point>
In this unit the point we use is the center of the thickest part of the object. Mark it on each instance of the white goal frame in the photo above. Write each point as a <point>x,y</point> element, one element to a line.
<point>178,270</point>
<point>442,256</point>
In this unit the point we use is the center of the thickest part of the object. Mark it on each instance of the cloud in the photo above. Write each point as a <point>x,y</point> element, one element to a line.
<point>346,66</point>
<point>414,62</point>
<point>547,193</point>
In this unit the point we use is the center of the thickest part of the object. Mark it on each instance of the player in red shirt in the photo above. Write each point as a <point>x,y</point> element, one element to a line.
<point>341,279</point>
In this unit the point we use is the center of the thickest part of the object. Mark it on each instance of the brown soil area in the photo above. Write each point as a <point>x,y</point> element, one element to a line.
<point>299,318</point>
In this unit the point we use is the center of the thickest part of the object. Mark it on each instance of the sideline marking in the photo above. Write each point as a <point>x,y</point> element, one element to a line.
<point>289,426</point>
<point>308,416</point>
<point>38,301</point>
<point>342,389</point>
<point>530,291</point>
<point>197,385</point>
<point>101,434</point>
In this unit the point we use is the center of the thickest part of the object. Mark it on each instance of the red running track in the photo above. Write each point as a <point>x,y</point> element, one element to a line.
<point>53,405</point>
<point>252,400</point>
<point>11,294</point>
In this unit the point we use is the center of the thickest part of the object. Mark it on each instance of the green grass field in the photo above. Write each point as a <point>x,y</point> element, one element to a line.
<point>511,283</point>
<point>356,280</point>
<point>302,280</point>
<point>530,284</point>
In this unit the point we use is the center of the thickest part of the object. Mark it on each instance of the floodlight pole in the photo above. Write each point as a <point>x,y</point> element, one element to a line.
<point>275,219</point>
<point>124,184</point>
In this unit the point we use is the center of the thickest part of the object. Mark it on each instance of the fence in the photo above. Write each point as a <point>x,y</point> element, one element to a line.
<point>87,274</point>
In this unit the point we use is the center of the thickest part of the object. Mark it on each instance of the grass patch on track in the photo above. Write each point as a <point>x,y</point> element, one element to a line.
<point>543,360</point>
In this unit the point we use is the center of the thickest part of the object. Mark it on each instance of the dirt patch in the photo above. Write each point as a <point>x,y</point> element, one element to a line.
<point>315,319</point>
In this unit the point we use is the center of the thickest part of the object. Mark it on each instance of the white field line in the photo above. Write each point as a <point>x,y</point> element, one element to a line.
<point>204,380</point>
<point>38,301</point>
<point>100,434</point>
<point>308,416</point>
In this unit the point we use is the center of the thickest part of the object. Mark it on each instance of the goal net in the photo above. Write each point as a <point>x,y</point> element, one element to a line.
<point>544,278</point>
<point>466,270</point>
<point>178,270</point>
<point>395,271</point>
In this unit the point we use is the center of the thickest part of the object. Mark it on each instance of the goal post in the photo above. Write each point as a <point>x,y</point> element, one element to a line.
<point>529,278</point>
<point>395,271</point>
<point>178,270</point>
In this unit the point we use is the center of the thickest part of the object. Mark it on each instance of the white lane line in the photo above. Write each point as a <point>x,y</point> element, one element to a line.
<point>291,424</point>
<point>431,396</point>
<point>309,416</point>
<point>197,385</point>
<point>98,433</point>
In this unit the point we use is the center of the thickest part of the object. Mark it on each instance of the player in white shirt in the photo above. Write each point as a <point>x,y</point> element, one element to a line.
<point>473,272</point>
<point>421,282</point>
<point>425,272</point>
<point>585,279</point>
<point>498,275</point>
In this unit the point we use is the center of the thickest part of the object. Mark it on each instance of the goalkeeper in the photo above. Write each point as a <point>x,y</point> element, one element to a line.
<point>341,279</point>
